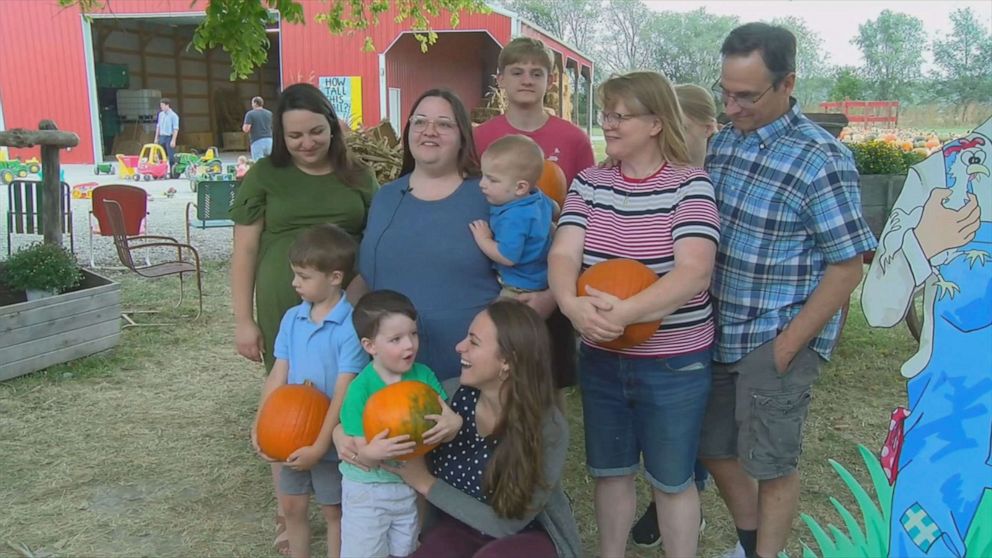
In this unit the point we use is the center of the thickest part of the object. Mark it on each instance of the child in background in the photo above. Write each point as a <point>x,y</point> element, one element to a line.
<point>242,167</point>
<point>518,235</point>
<point>380,510</point>
<point>316,342</point>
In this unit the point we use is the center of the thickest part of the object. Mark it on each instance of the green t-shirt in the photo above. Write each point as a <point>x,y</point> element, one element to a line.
<point>361,388</point>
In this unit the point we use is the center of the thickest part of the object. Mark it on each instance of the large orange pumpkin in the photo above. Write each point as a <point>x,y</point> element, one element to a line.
<point>291,418</point>
<point>552,182</point>
<point>623,279</point>
<point>401,408</point>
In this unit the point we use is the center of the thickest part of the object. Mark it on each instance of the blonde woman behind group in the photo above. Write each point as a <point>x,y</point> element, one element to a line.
<point>699,111</point>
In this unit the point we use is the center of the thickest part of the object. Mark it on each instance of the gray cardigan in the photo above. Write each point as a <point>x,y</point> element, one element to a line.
<point>553,511</point>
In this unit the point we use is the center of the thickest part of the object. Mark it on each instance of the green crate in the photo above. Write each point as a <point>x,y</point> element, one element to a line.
<point>112,75</point>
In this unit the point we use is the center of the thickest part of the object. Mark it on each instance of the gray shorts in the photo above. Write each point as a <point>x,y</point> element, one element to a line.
<point>323,480</point>
<point>756,415</point>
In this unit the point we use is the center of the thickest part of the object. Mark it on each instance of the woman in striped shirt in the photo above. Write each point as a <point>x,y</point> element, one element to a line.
<point>645,401</point>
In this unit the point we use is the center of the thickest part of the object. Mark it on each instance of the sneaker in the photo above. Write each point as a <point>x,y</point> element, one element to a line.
<point>736,552</point>
<point>645,532</point>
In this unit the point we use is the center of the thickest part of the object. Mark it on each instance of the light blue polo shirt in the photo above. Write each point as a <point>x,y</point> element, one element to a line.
<point>168,122</point>
<point>522,230</point>
<point>318,352</point>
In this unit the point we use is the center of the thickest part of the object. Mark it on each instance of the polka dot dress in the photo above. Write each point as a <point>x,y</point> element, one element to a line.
<point>462,461</point>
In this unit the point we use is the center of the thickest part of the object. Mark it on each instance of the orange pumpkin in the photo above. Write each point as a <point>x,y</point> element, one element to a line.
<point>401,408</point>
<point>623,279</point>
<point>291,418</point>
<point>552,182</point>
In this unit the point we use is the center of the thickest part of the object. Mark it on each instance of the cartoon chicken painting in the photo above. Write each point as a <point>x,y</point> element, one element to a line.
<point>938,241</point>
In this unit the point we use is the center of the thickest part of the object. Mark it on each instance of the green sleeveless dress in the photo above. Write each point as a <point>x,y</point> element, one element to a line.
<point>290,201</point>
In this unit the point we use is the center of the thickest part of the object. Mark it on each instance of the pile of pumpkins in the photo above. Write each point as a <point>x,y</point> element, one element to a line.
<point>906,139</point>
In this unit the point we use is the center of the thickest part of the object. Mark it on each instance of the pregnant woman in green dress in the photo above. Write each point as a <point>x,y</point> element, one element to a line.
<point>309,179</point>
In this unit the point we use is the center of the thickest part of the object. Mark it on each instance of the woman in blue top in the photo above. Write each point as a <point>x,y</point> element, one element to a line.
<point>418,241</point>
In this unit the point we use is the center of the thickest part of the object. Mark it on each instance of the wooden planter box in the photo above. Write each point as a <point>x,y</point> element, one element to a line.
<point>42,333</point>
<point>878,194</point>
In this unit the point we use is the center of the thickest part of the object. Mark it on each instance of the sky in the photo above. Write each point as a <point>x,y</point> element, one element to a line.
<point>836,21</point>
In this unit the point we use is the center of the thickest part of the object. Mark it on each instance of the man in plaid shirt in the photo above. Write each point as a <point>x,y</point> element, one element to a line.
<point>789,257</point>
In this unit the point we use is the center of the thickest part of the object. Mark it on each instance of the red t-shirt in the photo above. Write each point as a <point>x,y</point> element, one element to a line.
<point>562,142</point>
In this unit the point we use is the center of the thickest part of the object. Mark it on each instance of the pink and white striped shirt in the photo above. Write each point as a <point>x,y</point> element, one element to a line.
<point>642,219</point>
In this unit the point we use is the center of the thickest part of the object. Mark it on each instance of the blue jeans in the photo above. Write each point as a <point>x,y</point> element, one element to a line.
<point>166,143</point>
<point>262,147</point>
<point>644,407</point>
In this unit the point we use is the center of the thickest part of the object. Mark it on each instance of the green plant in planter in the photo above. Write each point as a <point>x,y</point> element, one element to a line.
<point>910,158</point>
<point>877,157</point>
<point>41,267</point>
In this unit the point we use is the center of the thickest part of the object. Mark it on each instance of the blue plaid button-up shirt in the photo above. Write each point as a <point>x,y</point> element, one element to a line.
<point>789,206</point>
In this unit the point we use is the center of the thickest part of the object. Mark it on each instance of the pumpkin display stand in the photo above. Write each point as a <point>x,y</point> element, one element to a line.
<point>40,333</point>
<point>401,408</point>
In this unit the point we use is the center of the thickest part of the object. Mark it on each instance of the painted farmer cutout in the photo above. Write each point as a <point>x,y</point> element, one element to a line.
<point>938,240</point>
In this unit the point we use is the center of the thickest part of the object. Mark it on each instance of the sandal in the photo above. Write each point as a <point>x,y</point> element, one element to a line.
<point>281,543</point>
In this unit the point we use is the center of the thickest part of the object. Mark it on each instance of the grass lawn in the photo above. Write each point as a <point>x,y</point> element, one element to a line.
<point>144,450</point>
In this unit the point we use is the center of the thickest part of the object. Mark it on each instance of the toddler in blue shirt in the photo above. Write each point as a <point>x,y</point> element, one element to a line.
<point>518,236</point>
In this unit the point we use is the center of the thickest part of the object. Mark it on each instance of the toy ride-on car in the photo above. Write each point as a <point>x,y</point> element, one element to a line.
<point>152,162</point>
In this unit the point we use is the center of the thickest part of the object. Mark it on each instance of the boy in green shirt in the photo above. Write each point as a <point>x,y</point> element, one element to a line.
<point>379,511</point>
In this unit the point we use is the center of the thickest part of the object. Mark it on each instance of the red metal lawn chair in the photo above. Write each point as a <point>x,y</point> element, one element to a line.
<point>134,206</point>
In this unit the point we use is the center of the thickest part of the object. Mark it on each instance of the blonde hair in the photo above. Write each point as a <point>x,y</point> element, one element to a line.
<point>524,49</point>
<point>696,102</point>
<point>651,93</point>
<point>525,158</point>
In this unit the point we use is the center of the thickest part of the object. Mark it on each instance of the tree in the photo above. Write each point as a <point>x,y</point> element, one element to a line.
<point>574,21</point>
<point>892,46</point>
<point>686,46</point>
<point>964,60</point>
<point>813,79</point>
<point>238,26</point>
<point>625,41</point>
<point>847,84</point>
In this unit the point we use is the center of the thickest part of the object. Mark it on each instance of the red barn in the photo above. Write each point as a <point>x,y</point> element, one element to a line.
<point>101,76</point>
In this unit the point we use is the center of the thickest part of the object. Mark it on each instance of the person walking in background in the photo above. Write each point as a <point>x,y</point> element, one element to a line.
<point>167,128</point>
<point>258,126</point>
<point>789,258</point>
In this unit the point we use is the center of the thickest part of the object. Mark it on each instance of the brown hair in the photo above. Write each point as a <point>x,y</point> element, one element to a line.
<point>696,102</point>
<point>468,159</point>
<point>524,157</point>
<point>376,306</point>
<point>326,248</point>
<point>303,96</point>
<point>651,93</point>
<point>524,49</point>
<point>516,469</point>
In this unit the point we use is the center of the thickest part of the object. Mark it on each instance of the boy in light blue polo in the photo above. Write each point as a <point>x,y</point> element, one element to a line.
<point>380,510</point>
<point>518,236</point>
<point>316,343</point>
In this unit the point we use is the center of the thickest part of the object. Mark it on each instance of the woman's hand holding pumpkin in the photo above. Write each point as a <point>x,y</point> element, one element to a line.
<point>448,423</point>
<point>586,315</point>
<point>381,448</point>
<point>617,310</point>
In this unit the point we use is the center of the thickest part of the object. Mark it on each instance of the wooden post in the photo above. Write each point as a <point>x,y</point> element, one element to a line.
<point>51,200</point>
<point>51,140</point>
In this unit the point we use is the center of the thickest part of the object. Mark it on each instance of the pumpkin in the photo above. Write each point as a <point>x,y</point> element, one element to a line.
<point>291,418</point>
<point>401,408</point>
<point>623,279</point>
<point>552,182</point>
